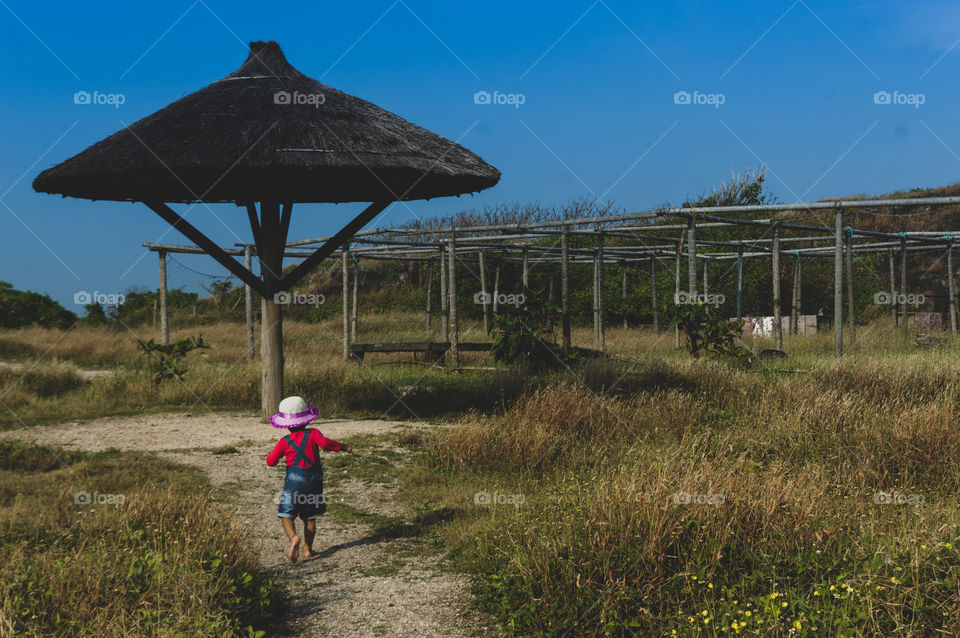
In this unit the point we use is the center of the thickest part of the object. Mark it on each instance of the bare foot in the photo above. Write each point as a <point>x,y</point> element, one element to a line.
<point>294,548</point>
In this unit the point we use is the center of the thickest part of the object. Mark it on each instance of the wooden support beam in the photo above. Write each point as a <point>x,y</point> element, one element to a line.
<point>206,244</point>
<point>777,317</point>
<point>893,287</point>
<point>565,284</point>
<point>838,285</point>
<point>623,290</point>
<point>526,269</point>
<point>740,282</point>
<point>851,317</point>
<point>484,296</point>
<point>444,297</point>
<point>332,244</point>
<point>454,360</point>
<point>354,319</point>
<point>676,290</point>
<point>795,300</point>
<point>903,285</point>
<point>951,288</point>
<point>164,317</point>
<point>272,242</point>
<point>345,290</point>
<point>248,304</point>
<point>429,294</point>
<point>653,296</point>
<point>601,314</point>
<point>692,259</point>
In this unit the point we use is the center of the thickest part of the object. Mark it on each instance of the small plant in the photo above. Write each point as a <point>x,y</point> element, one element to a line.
<point>708,331</point>
<point>167,360</point>
<point>525,336</point>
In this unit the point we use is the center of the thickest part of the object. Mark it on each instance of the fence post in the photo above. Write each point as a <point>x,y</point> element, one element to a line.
<point>600,304</point>
<point>893,288</point>
<point>356,284</point>
<point>526,269</point>
<point>676,289</point>
<point>740,281</point>
<point>429,293</point>
<point>692,258</point>
<point>623,290</point>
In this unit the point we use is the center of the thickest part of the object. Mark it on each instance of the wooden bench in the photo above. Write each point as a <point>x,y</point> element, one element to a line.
<point>432,350</point>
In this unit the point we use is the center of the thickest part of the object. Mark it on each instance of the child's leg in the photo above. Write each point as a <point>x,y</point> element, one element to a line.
<point>309,531</point>
<point>294,539</point>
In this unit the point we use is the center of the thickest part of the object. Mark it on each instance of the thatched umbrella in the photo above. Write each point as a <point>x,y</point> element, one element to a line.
<point>267,133</point>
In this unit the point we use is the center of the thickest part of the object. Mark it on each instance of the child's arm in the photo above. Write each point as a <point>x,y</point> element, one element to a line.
<point>330,445</point>
<point>277,453</point>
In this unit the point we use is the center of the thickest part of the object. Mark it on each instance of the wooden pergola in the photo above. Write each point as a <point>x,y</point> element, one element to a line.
<point>652,239</point>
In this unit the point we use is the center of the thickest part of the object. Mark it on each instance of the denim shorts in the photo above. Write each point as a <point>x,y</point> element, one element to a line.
<point>302,493</point>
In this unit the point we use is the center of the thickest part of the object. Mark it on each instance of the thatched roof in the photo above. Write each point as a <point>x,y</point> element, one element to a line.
<point>236,140</point>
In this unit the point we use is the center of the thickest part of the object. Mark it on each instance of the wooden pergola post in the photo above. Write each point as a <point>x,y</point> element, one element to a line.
<point>248,304</point>
<point>795,301</point>
<point>692,258</point>
<point>653,295</point>
<point>444,298</point>
<point>526,268</point>
<point>740,281</point>
<point>893,287</point>
<point>429,294</point>
<point>164,317</point>
<point>565,284</point>
<point>354,319</point>
<point>706,287</point>
<point>496,288</point>
<point>454,360</point>
<point>838,285</point>
<point>623,291</point>
<point>951,287</point>
<point>777,317</point>
<point>676,290</point>
<point>345,285</point>
<point>484,295</point>
<point>903,285</point>
<point>851,319</point>
<point>601,319</point>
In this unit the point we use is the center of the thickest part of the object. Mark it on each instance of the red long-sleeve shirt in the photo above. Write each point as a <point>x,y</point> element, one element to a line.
<point>316,439</point>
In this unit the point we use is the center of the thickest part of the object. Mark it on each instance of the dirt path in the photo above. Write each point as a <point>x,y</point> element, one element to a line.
<point>359,584</point>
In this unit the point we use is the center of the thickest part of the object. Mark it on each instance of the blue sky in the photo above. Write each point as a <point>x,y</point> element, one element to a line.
<point>599,118</point>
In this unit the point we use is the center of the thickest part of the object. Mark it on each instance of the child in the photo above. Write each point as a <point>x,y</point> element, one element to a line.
<point>303,486</point>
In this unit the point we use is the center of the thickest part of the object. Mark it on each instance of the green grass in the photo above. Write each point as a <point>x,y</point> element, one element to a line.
<point>145,555</point>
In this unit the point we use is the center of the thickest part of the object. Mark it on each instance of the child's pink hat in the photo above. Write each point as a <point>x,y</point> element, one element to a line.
<point>294,412</point>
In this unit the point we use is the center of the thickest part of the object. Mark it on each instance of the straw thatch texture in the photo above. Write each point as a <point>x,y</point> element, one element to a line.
<point>246,138</point>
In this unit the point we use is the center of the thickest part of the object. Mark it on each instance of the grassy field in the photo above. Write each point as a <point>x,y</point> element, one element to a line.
<point>653,494</point>
<point>121,544</point>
